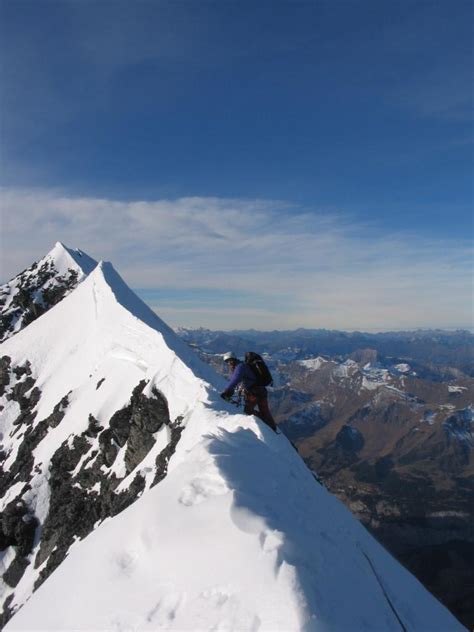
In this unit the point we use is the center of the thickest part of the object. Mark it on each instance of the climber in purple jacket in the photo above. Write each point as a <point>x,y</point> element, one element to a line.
<point>254,394</point>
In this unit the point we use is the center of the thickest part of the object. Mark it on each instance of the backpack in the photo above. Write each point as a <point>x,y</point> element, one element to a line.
<point>260,369</point>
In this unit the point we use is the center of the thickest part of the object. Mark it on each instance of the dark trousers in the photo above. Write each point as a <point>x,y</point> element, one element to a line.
<point>252,400</point>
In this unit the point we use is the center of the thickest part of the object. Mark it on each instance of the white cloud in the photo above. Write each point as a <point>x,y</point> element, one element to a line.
<point>306,268</point>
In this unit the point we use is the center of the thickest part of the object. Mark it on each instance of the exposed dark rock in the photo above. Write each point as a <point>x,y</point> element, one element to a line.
<point>58,412</point>
<point>19,391</point>
<point>94,427</point>
<point>73,513</point>
<point>25,417</point>
<point>99,383</point>
<point>70,513</point>
<point>5,363</point>
<point>148,416</point>
<point>74,508</point>
<point>135,425</point>
<point>55,293</point>
<point>21,468</point>
<point>108,447</point>
<point>121,420</point>
<point>7,612</point>
<point>18,394</point>
<point>34,397</point>
<point>66,458</point>
<point>19,371</point>
<point>126,498</point>
<point>120,425</point>
<point>76,505</point>
<point>15,571</point>
<point>3,456</point>
<point>165,455</point>
<point>139,444</point>
<point>38,289</point>
<point>17,527</point>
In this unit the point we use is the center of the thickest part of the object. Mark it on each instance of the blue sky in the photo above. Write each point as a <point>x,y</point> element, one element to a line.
<point>325,146</point>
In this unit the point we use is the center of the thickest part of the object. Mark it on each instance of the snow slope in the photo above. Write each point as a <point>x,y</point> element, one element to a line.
<point>237,536</point>
<point>85,356</point>
<point>103,330</point>
<point>41,286</point>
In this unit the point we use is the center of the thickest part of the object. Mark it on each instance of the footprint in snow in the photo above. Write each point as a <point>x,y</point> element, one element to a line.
<point>126,563</point>
<point>164,612</point>
<point>216,597</point>
<point>202,488</point>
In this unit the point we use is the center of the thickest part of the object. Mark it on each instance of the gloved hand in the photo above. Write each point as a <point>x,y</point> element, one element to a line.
<point>226,396</point>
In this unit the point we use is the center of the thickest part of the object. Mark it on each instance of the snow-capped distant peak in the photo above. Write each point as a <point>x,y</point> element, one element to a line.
<point>403,367</point>
<point>312,364</point>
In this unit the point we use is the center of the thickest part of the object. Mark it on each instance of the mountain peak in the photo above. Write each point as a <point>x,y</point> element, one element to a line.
<point>35,290</point>
<point>66,258</point>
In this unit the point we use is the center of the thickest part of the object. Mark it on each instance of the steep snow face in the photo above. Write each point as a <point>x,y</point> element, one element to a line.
<point>175,511</point>
<point>239,536</point>
<point>102,326</point>
<point>41,286</point>
<point>93,396</point>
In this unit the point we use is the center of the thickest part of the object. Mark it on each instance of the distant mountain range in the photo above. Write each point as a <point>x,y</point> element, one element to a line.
<point>437,350</point>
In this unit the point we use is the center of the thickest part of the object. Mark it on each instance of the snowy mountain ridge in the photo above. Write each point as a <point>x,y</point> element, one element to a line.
<point>129,486</point>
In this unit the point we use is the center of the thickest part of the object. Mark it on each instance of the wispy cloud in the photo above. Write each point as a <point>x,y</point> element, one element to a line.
<point>238,263</point>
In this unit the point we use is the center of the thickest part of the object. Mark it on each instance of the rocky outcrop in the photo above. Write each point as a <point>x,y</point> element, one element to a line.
<point>58,412</point>
<point>147,416</point>
<point>5,363</point>
<point>82,497</point>
<point>31,294</point>
<point>17,529</point>
<point>83,485</point>
<point>164,456</point>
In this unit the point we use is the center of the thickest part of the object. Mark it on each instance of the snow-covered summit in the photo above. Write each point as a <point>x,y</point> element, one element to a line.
<point>313,364</point>
<point>35,290</point>
<point>103,331</point>
<point>174,510</point>
<point>65,259</point>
